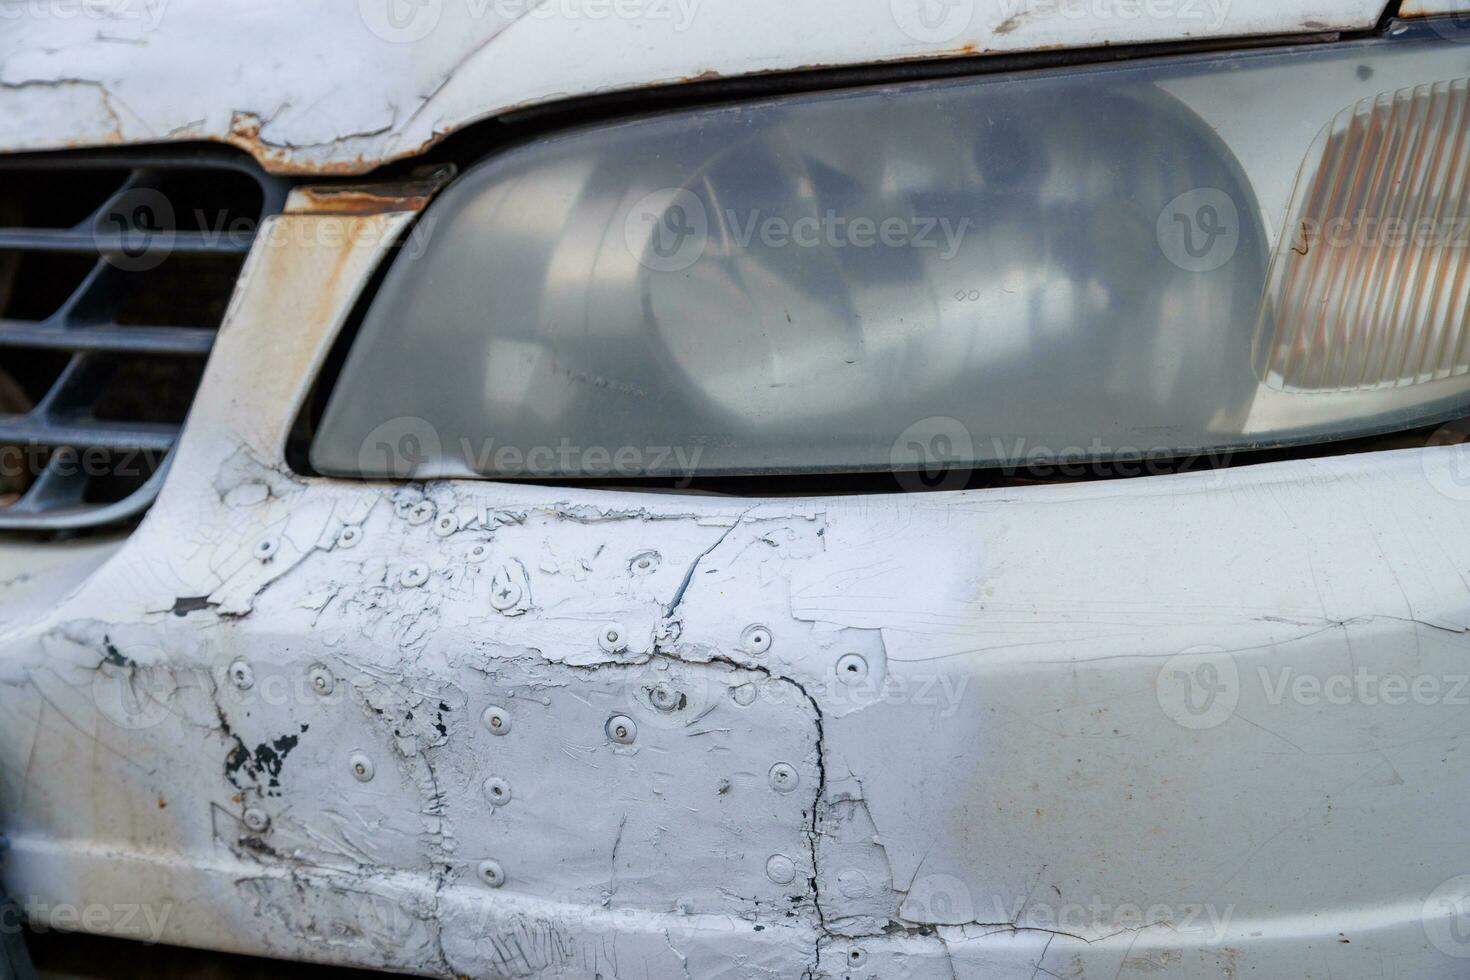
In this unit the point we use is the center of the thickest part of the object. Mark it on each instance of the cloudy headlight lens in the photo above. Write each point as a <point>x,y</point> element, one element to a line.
<point>1120,261</point>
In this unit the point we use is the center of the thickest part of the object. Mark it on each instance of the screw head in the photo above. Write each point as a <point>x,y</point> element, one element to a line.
<point>362,768</point>
<point>349,536</point>
<point>755,639</point>
<point>856,956</point>
<point>414,576</point>
<point>505,591</point>
<point>621,729</point>
<point>322,681</point>
<point>256,819</point>
<point>613,638</point>
<point>664,697</point>
<point>241,675</point>
<point>496,719</point>
<point>420,512</point>
<point>783,777</point>
<point>851,669</point>
<point>491,873</point>
<point>497,791</point>
<point>781,869</point>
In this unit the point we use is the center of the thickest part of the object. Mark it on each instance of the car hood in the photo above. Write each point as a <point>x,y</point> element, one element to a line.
<point>339,87</point>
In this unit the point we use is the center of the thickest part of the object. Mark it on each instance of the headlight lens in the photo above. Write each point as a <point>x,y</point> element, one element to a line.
<point>1137,259</point>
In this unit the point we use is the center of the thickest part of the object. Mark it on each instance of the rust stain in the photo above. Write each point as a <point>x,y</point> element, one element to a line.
<point>412,194</point>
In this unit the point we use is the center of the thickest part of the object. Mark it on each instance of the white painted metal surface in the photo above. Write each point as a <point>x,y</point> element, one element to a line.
<point>336,86</point>
<point>1192,726</point>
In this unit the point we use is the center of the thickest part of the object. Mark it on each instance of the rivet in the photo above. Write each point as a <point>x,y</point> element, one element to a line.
<point>491,873</point>
<point>349,536</point>
<point>420,512</point>
<point>496,719</point>
<point>781,869</point>
<point>856,956</point>
<point>322,681</point>
<point>362,768</point>
<point>414,576</point>
<point>664,697</point>
<point>783,777</point>
<point>613,638</point>
<point>497,791</point>
<point>621,729</point>
<point>744,695</point>
<point>756,639</point>
<point>505,593</point>
<point>851,668</point>
<point>241,675</point>
<point>266,548</point>
<point>257,820</point>
<point>645,563</point>
<point>446,525</point>
<point>476,553</point>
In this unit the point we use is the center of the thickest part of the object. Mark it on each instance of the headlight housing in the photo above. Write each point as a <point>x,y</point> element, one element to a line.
<point>1082,264</point>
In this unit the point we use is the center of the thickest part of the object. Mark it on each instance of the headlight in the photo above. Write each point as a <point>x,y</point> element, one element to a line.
<point>1154,257</point>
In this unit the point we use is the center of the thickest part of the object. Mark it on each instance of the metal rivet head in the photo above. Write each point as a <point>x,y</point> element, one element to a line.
<point>362,768</point>
<point>644,564</point>
<point>266,548</point>
<point>621,729</point>
<point>664,697</point>
<point>497,791</point>
<point>241,675</point>
<point>781,869</point>
<point>491,873</point>
<point>420,512</point>
<point>476,553</point>
<point>446,525</point>
<point>256,819</point>
<point>756,639</point>
<point>856,956</point>
<point>322,681</point>
<point>496,719</point>
<point>349,536</point>
<point>851,669</point>
<point>612,638</point>
<point>744,695</point>
<point>783,777</point>
<point>414,576</point>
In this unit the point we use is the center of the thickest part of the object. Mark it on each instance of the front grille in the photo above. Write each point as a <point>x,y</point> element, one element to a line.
<point>115,271</point>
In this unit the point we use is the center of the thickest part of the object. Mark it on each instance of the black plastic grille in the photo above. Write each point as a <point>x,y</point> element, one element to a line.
<point>115,272</point>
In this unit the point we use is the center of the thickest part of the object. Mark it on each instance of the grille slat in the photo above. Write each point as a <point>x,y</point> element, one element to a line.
<point>116,243</point>
<point>100,357</point>
<point>183,341</point>
<point>155,437</point>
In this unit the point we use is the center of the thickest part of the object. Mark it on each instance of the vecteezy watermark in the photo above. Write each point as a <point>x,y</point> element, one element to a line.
<point>943,899</point>
<point>1199,230</point>
<point>853,684</point>
<point>938,453</point>
<point>138,921</point>
<point>31,461</point>
<point>932,21</point>
<point>1201,688</point>
<point>1446,917</point>
<point>407,447</point>
<point>408,21</point>
<point>146,13</point>
<point>139,229</point>
<point>1445,460</point>
<point>668,230</point>
<point>1373,231</point>
<point>1199,15</point>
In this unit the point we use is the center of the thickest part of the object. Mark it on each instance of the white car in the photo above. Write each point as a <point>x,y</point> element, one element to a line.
<point>738,488</point>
